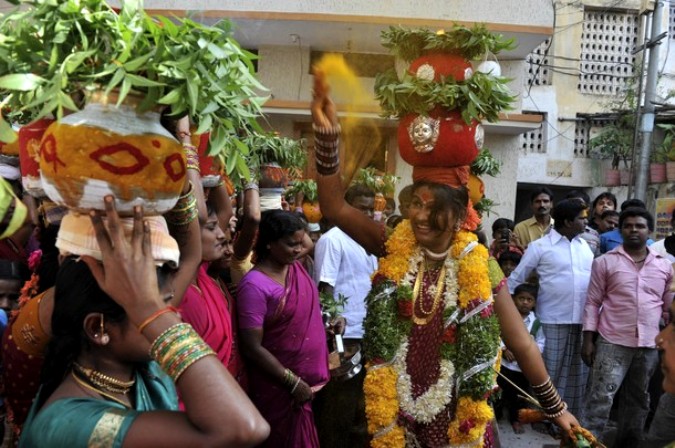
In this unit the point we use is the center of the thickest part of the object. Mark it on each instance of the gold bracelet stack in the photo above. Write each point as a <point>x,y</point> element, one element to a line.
<point>291,380</point>
<point>177,348</point>
<point>185,211</point>
<point>327,149</point>
<point>191,156</point>
<point>549,399</point>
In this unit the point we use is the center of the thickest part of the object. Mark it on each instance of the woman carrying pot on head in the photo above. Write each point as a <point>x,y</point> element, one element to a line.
<point>104,380</point>
<point>431,334</point>
<point>282,333</point>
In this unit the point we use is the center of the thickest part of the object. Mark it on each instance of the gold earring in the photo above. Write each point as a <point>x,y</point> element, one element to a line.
<point>104,336</point>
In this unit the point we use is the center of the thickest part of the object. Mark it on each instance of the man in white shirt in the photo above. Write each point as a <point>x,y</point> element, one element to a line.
<point>342,266</point>
<point>563,262</point>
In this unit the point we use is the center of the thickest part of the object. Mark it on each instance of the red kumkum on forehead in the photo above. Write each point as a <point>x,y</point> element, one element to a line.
<point>426,196</point>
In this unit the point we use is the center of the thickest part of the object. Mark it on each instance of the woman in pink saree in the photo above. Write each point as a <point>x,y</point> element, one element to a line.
<point>282,333</point>
<point>208,307</point>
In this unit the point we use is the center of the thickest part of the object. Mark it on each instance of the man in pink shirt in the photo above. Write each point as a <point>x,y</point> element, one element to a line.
<point>628,295</point>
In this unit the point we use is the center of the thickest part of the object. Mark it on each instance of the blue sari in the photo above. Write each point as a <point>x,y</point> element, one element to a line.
<point>96,423</point>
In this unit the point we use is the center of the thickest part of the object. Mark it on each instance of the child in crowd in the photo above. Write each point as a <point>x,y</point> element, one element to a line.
<point>525,297</point>
<point>508,261</point>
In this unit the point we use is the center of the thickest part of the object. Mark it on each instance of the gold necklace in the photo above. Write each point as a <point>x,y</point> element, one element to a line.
<point>105,382</point>
<point>440,283</point>
<point>98,391</point>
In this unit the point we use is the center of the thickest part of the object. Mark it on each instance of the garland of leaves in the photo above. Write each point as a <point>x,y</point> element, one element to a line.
<point>469,42</point>
<point>481,96</point>
<point>470,328</point>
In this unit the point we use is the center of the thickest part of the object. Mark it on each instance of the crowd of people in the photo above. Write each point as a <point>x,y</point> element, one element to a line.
<point>603,292</point>
<point>205,327</point>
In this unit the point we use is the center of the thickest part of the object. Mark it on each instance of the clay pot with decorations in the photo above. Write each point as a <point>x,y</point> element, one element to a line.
<point>210,168</point>
<point>441,138</point>
<point>107,150</point>
<point>30,137</point>
<point>273,176</point>
<point>311,211</point>
<point>305,192</point>
<point>441,66</point>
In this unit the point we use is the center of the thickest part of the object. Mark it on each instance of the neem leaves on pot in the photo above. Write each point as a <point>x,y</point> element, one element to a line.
<point>53,51</point>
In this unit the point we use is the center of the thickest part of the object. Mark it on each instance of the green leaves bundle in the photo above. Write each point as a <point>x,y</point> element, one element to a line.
<point>53,52</point>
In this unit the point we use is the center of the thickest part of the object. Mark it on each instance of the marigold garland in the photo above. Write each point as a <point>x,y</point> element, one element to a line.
<point>379,387</point>
<point>392,439</point>
<point>471,419</point>
<point>472,328</point>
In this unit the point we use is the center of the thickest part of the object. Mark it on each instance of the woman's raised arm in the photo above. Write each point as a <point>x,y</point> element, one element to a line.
<point>361,228</point>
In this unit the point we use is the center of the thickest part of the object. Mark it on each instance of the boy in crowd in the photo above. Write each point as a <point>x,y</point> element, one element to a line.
<point>525,297</point>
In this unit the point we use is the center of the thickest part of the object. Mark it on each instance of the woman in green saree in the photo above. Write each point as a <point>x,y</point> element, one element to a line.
<point>102,389</point>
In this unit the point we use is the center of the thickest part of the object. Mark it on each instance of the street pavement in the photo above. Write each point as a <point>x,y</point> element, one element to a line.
<point>529,439</point>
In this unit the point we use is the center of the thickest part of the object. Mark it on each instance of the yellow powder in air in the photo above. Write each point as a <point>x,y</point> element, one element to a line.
<point>360,134</point>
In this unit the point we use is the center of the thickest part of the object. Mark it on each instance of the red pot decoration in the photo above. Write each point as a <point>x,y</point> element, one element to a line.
<point>29,155</point>
<point>438,66</point>
<point>209,167</point>
<point>440,139</point>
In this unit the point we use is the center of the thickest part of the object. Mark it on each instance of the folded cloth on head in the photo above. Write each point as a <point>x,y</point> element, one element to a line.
<point>314,227</point>
<point>9,172</point>
<point>455,177</point>
<point>76,237</point>
<point>270,199</point>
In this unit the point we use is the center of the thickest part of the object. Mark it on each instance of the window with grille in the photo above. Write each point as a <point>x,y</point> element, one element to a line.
<point>584,131</point>
<point>534,142</point>
<point>538,73</point>
<point>607,42</point>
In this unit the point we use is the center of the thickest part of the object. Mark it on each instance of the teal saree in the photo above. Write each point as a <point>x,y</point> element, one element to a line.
<point>80,422</point>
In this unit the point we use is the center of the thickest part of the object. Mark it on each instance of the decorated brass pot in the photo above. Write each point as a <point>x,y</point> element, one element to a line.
<point>104,150</point>
<point>441,138</point>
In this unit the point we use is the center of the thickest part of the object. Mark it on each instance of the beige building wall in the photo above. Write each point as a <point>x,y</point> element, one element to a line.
<point>562,100</point>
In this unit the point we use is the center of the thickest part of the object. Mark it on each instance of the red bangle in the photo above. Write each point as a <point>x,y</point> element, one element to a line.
<point>155,315</point>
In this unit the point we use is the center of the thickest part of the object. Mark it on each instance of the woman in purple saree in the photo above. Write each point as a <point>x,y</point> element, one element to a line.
<point>282,332</point>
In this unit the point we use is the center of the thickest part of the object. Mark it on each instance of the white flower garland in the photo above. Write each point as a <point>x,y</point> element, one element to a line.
<point>425,407</point>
